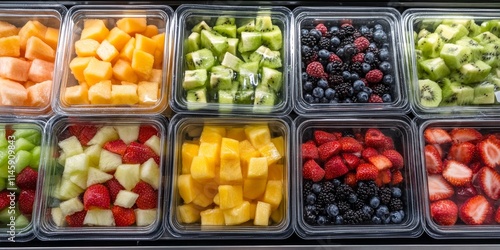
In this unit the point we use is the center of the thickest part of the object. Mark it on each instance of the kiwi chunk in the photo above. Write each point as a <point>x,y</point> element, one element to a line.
<point>475,72</point>
<point>430,93</point>
<point>451,33</point>
<point>455,93</point>
<point>200,59</point>
<point>455,55</point>
<point>194,79</point>
<point>436,68</point>
<point>249,41</point>
<point>273,39</point>
<point>196,98</point>
<point>201,26</point>
<point>430,45</point>
<point>227,30</point>
<point>272,78</point>
<point>214,42</point>
<point>193,42</point>
<point>225,20</point>
<point>484,94</point>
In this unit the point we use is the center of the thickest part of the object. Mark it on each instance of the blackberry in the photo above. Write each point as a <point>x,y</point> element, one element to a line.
<point>342,192</point>
<point>381,89</point>
<point>308,40</point>
<point>324,43</point>
<point>359,204</point>
<point>369,35</point>
<point>373,188</point>
<point>341,34</point>
<point>336,67</point>
<point>385,195</point>
<point>343,207</point>
<point>347,40</point>
<point>374,50</point>
<point>307,185</point>
<point>328,186</point>
<point>325,198</point>
<point>356,67</point>
<point>309,55</point>
<point>334,80</point>
<point>320,208</point>
<point>344,90</point>
<point>363,192</point>
<point>396,204</point>
<point>310,218</point>
<point>348,29</point>
<point>356,34</point>
<point>353,217</point>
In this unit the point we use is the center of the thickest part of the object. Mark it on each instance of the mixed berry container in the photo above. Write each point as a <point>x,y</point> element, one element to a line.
<point>349,61</point>
<point>102,178</point>
<point>355,178</point>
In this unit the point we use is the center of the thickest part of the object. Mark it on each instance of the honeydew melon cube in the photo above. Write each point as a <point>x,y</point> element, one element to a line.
<point>71,206</point>
<point>128,134</point>
<point>126,199</point>
<point>108,161</point>
<point>57,216</point>
<point>150,173</point>
<point>99,217</point>
<point>128,175</point>
<point>154,143</point>
<point>71,146</point>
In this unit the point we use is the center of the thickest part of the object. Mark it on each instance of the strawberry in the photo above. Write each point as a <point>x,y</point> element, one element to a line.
<point>476,210</point>
<point>26,179</point>
<point>465,192</point>
<point>433,162</point>
<point>335,167</point>
<point>351,160</point>
<point>145,132</point>
<point>388,144</point>
<point>309,151</point>
<point>26,200</point>
<point>350,145</point>
<point>384,177</point>
<point>368,152</point>
<point>86,134</point>
<point>321,137</point>
<point>328,149</point>
<point>439,149</point>
<point>148,197</point>
<point>397,177</point>
<point>123,216</point>
<point>463,152</point>
<point>444,212</point>
<point>380,161</point>
<point>374,138</point>
<point>96,196</point>
<point>76,219</point>
<point>439,188</point>
<point>312,171</point>
<point>489,181</point>
<point>4,199</point>
<point>457,173</point>
<point>436,136</point>
<point>366,171</point>
<point>138,153</point>
<point>395,157</point>
<point>459,135</point>
<point>497,215</point>
<point>114,188</point>
<point>350,179</point>
<point>116,146</point>
<point>476,166</point>
<point>489,152</point>
<point>75,130</point>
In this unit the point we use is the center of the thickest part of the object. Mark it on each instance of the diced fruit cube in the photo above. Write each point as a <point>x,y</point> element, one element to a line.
<point>7,29</point>
<point>262,214</point>
<point>237,215</point>
<point>31,29</point>
<point>145,44</point>
<point>124,94</point>
<point>211,151</point>
<point>148,92</point>
<point>103,135</point>
<point>71,206</point>
<point>274,193</point>
<point>76,95</point>
<point>142,63</point>
<point>40,71</point>
<point>108,161</point>
<point>145,217</point>
<point>96,176</point>
<point>12,93</point>
<point>126,199</point>
<point>270,152</point>
<point>71,146</point>
<point>230,196</point>
<point>128,175</point>
<point>202,169</point>
<point>77,66</point>
<point>155,144</point>
<point>94,154</point>
<point>202,200</point>
<point>51,37</point>
<point>36,48</point>
<point>118,38</point>
<point>150,173</point>
<point>188,151</point>
<point>229,149</point>
<point>188,188</point>
<point>99,217</point>
<point>210,137</point>
<point>100,93</point>
<point>132,25</point>
<point>212,217</point>
<point>254,188</point>
<point>10,46</point>
<point>94,29</point>
<point>236,133</point>
<point>57,216</point>
<point>258,135</point>
<point>128,50</point>
<point>14,68</point>
<point>106,51</point>
<point>97,71</point>
<point>188,213</point>
<point>86,47</point>
<point>257,168</point>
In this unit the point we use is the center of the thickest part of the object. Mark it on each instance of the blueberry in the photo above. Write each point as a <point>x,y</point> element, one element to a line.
<point>396,217</point>
<point>305,76</point>
<point>354,77</point>
<point>334,29</point>
<point>368,90</point>
<point>402,213</point>
<point>358,85</point>
<point>304,32</point>
<point>329,67</point>
<point>386,98</point>
<point>305,49</point>
<point>322,83</point>
<point>346,75</point>
<point>382,211</point>
<point>311,209</point>
<point>308,86</point>
<point>311,199</point>
<point>367,210</point>
<point>348,100</point>
<point>318,92</point>
<point>321,220</point>
<point>315,33</point>
<point>364,29</point>
<point>369,57</point>
<point>323,53</point>
<point>379,36</point>
<point>349,50</point>
<point>383,54</point>
<point>372,45</point>
<point>309,98</point>
<point>336,182</point>
<point>352,198</point>
<point>340,52</point>
<point>316,100</point>
<point>330,93</point>
<point>362,97</point>
<point>335,41</point>
<point>376,220</point>
<point>396,192</point>
<point>316,188</point>
<point>339,220</point>
<point>324,100</point>
<point>385,66</point>
<point>315,48</point>
<point>387,79</point>
<point>378,27</point>
<point>332,210</point>
<point>374,202</point>
<point>366,67</point>
<point>386,220</point>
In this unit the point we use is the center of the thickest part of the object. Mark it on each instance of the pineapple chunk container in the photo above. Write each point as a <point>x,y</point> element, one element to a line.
<point>452,60</point>
<point>102,178</point>
<point>355,178</point>
<point>230,178</point>
<point>116,59</point>
<point>232,60</point>
<point>29,41</point>
<point>20,150</point>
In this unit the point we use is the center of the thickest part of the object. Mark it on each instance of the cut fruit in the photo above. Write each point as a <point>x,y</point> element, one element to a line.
<point>484,94</point>
<point>145,217</point>
<point>456,94</point>
<point>455,55</point>
<point>150,173</point>
<point>99,217</point>
<point>194,79</point>
<point>435,68</point>
<point>474,72</point>
<point>128,175</point>
<point>200,59</point>
<point>430,93</point>
<point>125,199</point>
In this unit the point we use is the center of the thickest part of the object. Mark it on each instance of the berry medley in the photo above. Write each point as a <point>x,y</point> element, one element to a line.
<point>351,178</point>
<point>346,64</point>
<point>463,176</point>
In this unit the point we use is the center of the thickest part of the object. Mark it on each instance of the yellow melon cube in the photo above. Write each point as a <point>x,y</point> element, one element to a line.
<point>270,152</point>
<point>257,168</point>
<point>211,151</point>
<point>188,188</point>
<point>76,95</point>
<point>188,152</point>
<point>216,129</point>
<point>148,92</point>
<point>237,133</point>
<point>275,172</point>
<point>212,217</point>
<point>202,200</point>
<point>253,207</point>
<point>132,25</point>
<point>216,199</point>
<point>188,213</point>
<point>145,44</point>
<point>274,193</point>
<point>51,37</point>
<point>229,149</point>
<point>230,196</point>
<point>10,46</point>
<point>77,66</point>
<point>202,170</point>
<point>94,29</point>
<point>118,38</point>
<point>247,151</point>
<point>150,31</point>
<point>277,214</point>
<point>156,76</point>
<point>253,189</point>
<point>123,71</point>
<point>279,143</point>
<point>7,29</point>
<point>262,214</point>
<point>36,48</point>
<point>128,50</point>
<point>100,93</point>
<point>237,215</point>
<point>86,47</point>
<point>142,63</point>
<point>106,51</point>
<point>230,171</point>
<point>258,135</point>
<point>31,29</point>
<point>124,94</point>
<point>97,71</point>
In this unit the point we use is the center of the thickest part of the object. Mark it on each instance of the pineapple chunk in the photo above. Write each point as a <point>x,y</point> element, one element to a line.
<point>279,143</point>
<point>258,135</point>
<point>253,207</point>
<point>270,152</point>
<point>253,189</point>
<point>257,168</point>
<point>212,217</point>
<point>274,193</point>
<point>247,151</point>
<point>237,133</point>
<point>188,188</point>
<point>229,149</point>
<point>188,213</point>
<point>230,171</point>
<point>277,214</point>
<point>230,196</point>
<point>211,151</point>
<point>237,215</point>
<point>217,129</point>
<point>202,170</point>
<point>202,200</point>
<point>216,199</point>
<point>275,172</point>
<point>210,137</point>
<point>262,214</point>
<point>188,151</point>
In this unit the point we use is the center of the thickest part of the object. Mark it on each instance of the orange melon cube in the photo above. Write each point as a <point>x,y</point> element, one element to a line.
<point>10,46</point>
<point>160,41</point>
<point>118,38</point>
<point>94,29</point>
<point>145,44</point>
<point>106,51</point>
<point>124,94</point>
<point>14,68</point>
<point>100,93</point>
<point>86,47</point>
<point>156,76</point>
<point>148,92</point>
<point>77,66</point>
<point>160,48</point>
<point>7,29</point>
<point>151,30</point>
<point>132,25</point>
<point>30,29</point>
<point>91,22</point>
<point>28,84</point>
<point>12,93</point>
<point>76,95</point>
<point>40,70</point>
<point>158,59</point>
<point>128,50</point>
<point>97,71</point>
<point>36,48</point>
<point>142,63</point>
<point>51,37</point>
<point>39,94</point>
<point>123,71</point>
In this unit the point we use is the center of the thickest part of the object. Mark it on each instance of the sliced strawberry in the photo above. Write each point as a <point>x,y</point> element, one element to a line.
<point>433,162</point>
<point>321,137</point>
<point>86,134</point>
<point>366,171</point>
<point>489,152</point>
<point>489,181</point>
<point>368,152</point>
<point>114,188</point>
<point>329,149</point>
<point>4,199</point>
<point>116,146</point>
<point>335,167</point>
<point>309,151</point>
<point>76,219</point>
<point>465,192</point>
<point>476,166</point>
<point>75,130</point>
<point>96,196</point>
<point>459,135</point>
<point>440,150</point>
<point>457,173</point>
<point>463,152</point>
<point>138,153</point>
<point>27,178</point>
<point>444,212</point>
<point>439,188</point>
<point>374,138</point>
<point>436,136</point>
<point>26,201</point>
<point>388,144</point>
<point>476,210</point>
<point>350,145</point>
<point>395,157</point>
<point>384,177</point>
<point>145,132</point>
<point>350,179</point>
<point>397,177</point>
<point>497,215</point>
<point>148,197</point>
<point>312,171</point>
<point>380,161</point>
<point>123,216</point>
<point>351,160</point>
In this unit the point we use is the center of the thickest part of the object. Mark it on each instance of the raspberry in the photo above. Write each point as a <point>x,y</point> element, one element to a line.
<point>360,57</point>
<point>322,28</point>
<point>374,76</point>
<point>361,43</point>
<point>375,98</point>
<point>334,58</point>
<point>346,22</point>
<point>364,80</point>
<point>315,69</point>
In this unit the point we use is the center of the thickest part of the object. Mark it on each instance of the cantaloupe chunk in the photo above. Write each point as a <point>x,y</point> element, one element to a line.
<point>123,71</point>
<point>31,29</point>
<point>100,93</point>
<point>132,25</point>
<point>106,51</point>
<point>76,95</point>
<point>160,48</point>
<point>145,44</point>
<point>86,47</point>
<point>7,29</point>
<point>12,93</point>
<point>28,84</point>
<point>40,70</point>
<point>97,71</point>
<point>151,30</point>
<point>156,76</point>
<point>36,48</point>
<point>77,66</point>
<point>39,94</point>
<point>124,94</point>
<point>128,50</point>
<point>118,38</point>
<point>142,63</point>
<point>148,92</point>
<point>10,46</point>
<point>14,68</point>
<point>94,29</point>
<point>52,37</point>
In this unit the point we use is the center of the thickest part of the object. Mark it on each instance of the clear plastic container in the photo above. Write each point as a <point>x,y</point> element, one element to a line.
<point>241,93</point>
<point>362,19</point>
<point>403,176</point>
<point>416,20</point>
<point>202,217</point>
<point>131,169</point>
<point>28,90</point>
<point>437,227</point>
<point>139,78</point>
<point>20,140</point>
